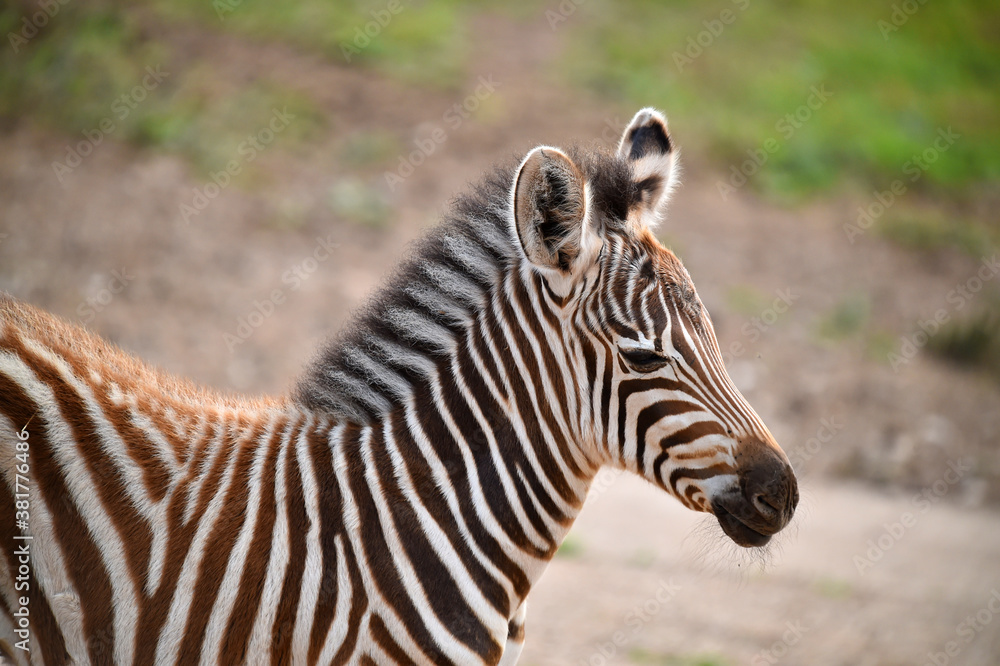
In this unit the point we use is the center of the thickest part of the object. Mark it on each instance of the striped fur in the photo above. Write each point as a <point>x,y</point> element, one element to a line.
<point>398,507</point>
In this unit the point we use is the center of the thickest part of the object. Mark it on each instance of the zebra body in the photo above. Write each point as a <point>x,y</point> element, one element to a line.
<point>400,505</point>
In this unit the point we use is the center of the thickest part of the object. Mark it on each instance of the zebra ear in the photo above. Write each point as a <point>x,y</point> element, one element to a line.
<point>647,147</point>
<point>550,206</point>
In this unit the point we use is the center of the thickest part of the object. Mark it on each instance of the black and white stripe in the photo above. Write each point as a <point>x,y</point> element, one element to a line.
<point>398,507</point>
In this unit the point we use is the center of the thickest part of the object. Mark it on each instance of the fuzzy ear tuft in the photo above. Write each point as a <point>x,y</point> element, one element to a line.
<point>646,145</point>
<point>550,207</point>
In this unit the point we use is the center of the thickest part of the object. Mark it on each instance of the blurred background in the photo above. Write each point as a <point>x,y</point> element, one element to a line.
<point>216,184</point>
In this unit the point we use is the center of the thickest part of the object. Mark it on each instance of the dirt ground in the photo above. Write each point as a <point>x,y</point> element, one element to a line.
<point>108,247</point>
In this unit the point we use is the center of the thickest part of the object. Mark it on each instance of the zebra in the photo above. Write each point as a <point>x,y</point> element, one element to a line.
<point>398,505</point>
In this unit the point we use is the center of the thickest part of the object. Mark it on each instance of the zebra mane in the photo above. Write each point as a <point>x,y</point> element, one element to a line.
<point>412,321</point>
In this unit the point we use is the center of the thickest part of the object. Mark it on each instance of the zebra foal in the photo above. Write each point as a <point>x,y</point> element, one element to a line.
<point>398,507</point>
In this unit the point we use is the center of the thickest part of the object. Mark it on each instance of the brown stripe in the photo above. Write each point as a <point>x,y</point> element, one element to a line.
<point>45,634</point>
<point>142,451</point>
<point>298,526</point>
<point>81,555</point>
<point>443,593</point>
<point>473,439</point>
<point>378,559</point>
<point>423,481</point>
<point>331,513</point>
<point>154,613</point>
<point>135,533</point>
<point>650,416</point>
<point>388,644</point>
<point>219,546</point>
<point>251,585</point>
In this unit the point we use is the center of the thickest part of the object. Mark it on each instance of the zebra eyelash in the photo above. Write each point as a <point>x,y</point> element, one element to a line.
<point>641,359</point>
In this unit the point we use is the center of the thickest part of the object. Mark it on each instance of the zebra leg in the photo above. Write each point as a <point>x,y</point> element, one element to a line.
<point>515,636</point>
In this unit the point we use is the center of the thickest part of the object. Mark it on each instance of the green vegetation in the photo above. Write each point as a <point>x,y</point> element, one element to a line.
<point>420,43</point>
<point>98,74</point>
<point>746,300</point>
<point>973,341</point>
<point>368,149</point>
<point>825,94</point>
<point>358,202</point>
<point>849,317</point>
<point>890,90</point>
<point>834,588</point>
<point>570,548</point>
<point>928,230</point>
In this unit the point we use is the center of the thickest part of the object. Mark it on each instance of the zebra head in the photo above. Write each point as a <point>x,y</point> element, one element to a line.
<point>653,393</point>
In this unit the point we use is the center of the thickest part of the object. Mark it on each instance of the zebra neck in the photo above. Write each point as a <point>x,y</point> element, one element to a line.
<point>429,469</point>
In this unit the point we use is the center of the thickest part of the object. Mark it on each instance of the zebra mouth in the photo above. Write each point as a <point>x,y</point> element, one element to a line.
<point>737,530</point>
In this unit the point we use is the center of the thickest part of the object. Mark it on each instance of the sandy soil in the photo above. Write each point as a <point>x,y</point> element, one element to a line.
<point>653,583</point>
<point>838,411</point>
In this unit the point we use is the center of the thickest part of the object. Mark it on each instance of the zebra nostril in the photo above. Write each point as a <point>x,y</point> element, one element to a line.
<point>766,504</point>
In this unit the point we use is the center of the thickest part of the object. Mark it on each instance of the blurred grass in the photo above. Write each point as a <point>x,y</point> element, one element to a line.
<point>972,341</point>
<point>930,229</point>
<point>889,96</point>
<point>419,42</point>
<point>75,76</point>
<point>729,85</point>
<point>846,319</point>
<point>570,548</point>
<point>746,300</point>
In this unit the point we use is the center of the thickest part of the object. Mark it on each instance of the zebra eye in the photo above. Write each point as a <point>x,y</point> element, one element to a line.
<point>643,360</point>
